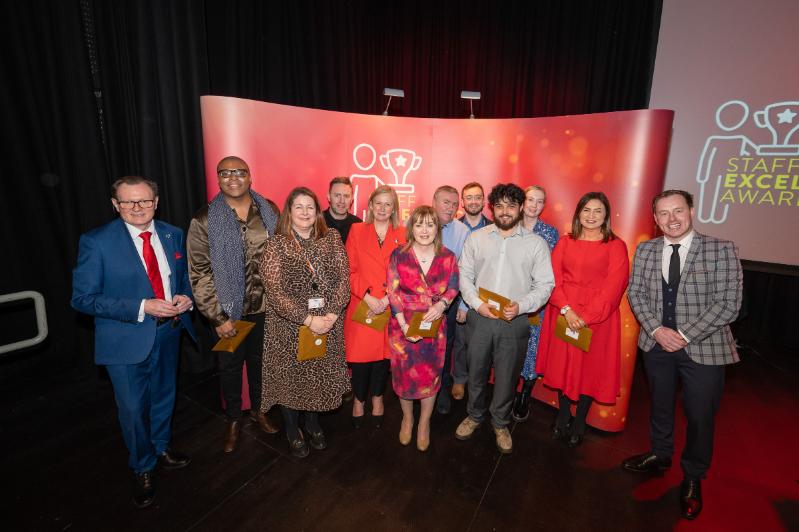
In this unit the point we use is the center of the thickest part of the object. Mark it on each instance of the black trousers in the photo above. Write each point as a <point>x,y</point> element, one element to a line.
<point>230,368</point>
<point>701,394</point>
<point>503,346</point>
<point>451,321</point>
<point>369,378</point>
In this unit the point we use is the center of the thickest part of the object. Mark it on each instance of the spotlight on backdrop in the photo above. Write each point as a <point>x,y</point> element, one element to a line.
<point>399,93</point>
<point>471,96</point>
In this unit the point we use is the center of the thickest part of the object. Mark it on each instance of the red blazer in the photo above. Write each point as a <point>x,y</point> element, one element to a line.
<point>368,269</point>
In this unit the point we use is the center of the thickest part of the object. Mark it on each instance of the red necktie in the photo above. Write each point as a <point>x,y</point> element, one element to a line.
<point>152,265</point>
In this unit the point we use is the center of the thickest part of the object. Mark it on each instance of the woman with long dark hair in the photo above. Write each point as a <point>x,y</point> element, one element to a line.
<point>306,277</point>
<point>591,269</point>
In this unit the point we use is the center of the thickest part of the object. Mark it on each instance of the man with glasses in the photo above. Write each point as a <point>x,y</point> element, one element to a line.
<point>515,264</point>
<point>132,277</point>
<point>225,242</point>
<point>453,235</point>
<point>473,199</point>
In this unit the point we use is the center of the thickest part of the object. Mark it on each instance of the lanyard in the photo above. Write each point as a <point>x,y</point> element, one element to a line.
<point>314,275</point>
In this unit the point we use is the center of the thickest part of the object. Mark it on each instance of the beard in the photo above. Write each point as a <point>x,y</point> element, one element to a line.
<point>473,211</point>
<point>510,225</point>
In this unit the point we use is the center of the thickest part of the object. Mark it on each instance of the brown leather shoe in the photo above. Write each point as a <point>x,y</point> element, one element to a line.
<point>458,391</point>
<point>232,435</point>
<point>263,422</point>
<point>145,489</point>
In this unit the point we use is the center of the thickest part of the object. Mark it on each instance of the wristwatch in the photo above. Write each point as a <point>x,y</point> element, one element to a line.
<point>564,310</point>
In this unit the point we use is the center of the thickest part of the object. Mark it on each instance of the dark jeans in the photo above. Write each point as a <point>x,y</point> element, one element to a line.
<point>701,394</point>
<point>230,368</point>
<point>503,345</point>
<point>369,378</point>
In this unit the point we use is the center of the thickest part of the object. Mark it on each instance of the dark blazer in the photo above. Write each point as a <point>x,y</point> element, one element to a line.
<point>109,283</point>
<point>708,298</point>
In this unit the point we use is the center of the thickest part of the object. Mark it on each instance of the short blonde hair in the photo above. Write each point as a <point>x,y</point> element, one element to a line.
<point>384,189</point>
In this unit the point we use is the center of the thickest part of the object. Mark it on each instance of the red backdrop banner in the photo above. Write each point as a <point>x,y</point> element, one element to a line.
<point>623,154</point>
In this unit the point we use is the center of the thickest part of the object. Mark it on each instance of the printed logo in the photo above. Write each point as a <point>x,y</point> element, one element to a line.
<point>401,163</point>
<point>756,168</point>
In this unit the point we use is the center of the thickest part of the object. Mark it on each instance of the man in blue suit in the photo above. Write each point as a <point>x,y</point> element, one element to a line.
<point>132,277</point>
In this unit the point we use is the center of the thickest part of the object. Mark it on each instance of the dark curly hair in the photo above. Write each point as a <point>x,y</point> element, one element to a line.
<point>508,192</point>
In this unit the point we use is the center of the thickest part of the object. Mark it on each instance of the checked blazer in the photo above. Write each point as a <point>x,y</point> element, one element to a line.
<point>708,297</point>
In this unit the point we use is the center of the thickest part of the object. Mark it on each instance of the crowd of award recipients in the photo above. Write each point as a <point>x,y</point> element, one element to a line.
<point>322,307</point>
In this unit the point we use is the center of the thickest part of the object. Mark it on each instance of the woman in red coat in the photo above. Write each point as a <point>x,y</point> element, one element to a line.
<point>591,269</point>
<point>369,247</point>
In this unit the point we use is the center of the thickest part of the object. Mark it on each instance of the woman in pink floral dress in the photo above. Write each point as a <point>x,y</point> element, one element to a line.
<point>422,277</point>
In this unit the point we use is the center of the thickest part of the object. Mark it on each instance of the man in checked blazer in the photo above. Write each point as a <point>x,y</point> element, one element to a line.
<point>685,290</point>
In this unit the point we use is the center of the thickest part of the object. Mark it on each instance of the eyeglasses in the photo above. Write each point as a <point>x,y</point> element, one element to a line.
<point>235,172</point>
<point>142,204</point>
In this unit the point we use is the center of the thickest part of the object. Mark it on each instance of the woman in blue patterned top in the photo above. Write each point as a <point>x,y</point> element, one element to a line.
<point>535,199</point>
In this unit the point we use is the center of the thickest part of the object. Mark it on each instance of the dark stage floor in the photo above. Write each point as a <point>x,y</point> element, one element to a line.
<point>64,466</point>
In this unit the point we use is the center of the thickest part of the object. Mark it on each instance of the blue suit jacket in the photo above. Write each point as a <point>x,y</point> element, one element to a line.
<point>109,283</point>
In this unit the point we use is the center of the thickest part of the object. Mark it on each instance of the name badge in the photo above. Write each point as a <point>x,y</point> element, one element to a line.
<point>425,325</point>
<point>572,334</point>
<point>316,302</point>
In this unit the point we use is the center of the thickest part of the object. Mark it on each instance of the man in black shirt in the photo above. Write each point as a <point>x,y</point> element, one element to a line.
<point>338,215</point>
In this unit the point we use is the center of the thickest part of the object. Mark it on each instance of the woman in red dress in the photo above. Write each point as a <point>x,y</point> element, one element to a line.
<point>422,277</point>
<point>591,269</point>
<point>369,248</point>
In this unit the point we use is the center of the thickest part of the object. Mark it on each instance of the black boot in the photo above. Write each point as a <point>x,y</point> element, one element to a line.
<point>521,406</point>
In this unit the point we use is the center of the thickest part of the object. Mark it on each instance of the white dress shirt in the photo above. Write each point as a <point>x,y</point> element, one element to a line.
<point>685,246</point>
<point>160,255</point>
<point>517,266</point>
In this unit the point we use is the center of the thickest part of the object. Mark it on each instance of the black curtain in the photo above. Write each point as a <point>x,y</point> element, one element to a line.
<point>94,90</point>
<point>528,58</point>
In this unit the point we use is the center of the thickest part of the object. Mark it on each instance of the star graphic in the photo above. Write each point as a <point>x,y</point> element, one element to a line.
<point>786,117</point>
<point>401,159</point>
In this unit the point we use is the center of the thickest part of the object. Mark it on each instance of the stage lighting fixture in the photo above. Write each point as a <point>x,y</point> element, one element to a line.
<point>471,96</point>
<point>391,93</point>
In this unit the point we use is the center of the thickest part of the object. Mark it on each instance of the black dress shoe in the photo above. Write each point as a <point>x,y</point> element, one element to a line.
<point>574,440</point>
<point>298,447</point>
<point>377,421</point>
<point>690,498</point>
<point>357,421</point>
<point>560,433</point>
<point>646,463</point>
<point>172,459</point>
<point>318,440</point>
<point>145,489</point>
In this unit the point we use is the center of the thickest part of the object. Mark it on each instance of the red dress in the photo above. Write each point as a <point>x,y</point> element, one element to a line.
<point>590,277</point>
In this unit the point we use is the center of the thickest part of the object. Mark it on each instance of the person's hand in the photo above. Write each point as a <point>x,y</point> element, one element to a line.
<point>183,303</point>
<point>412,339</point>
<point>511,311</point>
<point>160,308</point>
<point>460,317</point>
<point>485,311</point>
<point>226,330</point>
<point>669,339</point>
<point>575,322</point>
<point>434,312</point>
<point>375,305</point>
<point>319,325</point>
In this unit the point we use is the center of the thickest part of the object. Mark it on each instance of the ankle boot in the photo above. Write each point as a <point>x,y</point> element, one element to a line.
<point>521,406</point>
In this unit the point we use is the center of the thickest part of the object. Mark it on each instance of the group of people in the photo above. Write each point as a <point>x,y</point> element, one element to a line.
<point>442,305</point>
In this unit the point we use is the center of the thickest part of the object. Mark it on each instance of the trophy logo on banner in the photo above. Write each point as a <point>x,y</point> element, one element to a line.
<point>735,169</point>
<point>400,162</point>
